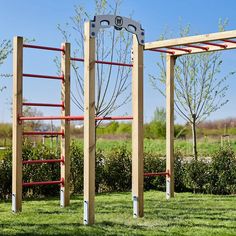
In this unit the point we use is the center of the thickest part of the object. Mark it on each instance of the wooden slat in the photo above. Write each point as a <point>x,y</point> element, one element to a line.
<point>89,126</point>
<point>137,128</point>
<point>190,40</point>
<point>16,126</point>
<point>211,49</point>
<point>170,62</point>
<point>65,126</point>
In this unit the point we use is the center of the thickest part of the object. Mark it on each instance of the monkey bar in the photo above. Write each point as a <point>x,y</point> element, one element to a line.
<point>173,49</point>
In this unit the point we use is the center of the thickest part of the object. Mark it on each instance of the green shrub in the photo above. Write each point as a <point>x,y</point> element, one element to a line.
<point>223,172</point>
<point>196,175</point>
<point>117,169</point>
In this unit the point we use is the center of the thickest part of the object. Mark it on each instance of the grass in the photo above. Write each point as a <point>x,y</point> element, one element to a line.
<point>187,214</point>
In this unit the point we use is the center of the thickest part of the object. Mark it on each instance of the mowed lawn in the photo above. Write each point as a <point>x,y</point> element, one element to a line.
<point>187,214</point>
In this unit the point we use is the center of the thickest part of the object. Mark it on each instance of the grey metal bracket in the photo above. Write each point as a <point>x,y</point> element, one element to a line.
<point>119,22</point>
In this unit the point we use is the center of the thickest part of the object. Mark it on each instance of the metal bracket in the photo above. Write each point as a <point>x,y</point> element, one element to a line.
<point>135,206</point>
<point>119,22</point>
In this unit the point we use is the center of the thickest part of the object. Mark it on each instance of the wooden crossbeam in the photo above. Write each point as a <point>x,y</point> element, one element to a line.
<point>190,40</point>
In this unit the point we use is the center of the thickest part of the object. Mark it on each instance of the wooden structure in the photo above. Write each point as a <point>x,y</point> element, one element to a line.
<point>173,48</point>
<point>18,120</point>
<point>89,121</point>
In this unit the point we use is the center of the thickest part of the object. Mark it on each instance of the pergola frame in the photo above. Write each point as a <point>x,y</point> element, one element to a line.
<point>175,48</point>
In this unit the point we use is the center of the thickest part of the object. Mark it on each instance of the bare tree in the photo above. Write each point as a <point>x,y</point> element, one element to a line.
<point>5,51</point>
<point>112,83</point>
<point>199,88</point>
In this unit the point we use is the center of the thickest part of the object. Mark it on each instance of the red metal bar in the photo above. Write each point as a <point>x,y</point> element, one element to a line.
<point>197,46</point>
<point>216,44</point>
<point>42,161</point>
<point>42,133</point>
<point>43,183</point>
<point>42,104</point>
<point>114,118</point>
<point>44,76</point>
<point>76,59</point>
<point>163,51</point>
<point>24,118</point>
<point>181,49</point>
<point>157,174</point>
<point>229,41</point>
<point>43,47</point>
<point>103,62</point>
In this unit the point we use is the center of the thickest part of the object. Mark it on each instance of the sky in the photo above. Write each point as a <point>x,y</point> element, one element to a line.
<point>38,20</point>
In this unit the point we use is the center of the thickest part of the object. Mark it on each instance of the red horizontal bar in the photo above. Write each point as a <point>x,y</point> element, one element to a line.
<point>42,104</point>
<point>42,161</point>
<point>181,49</point>
<point>42,133</point>
<point>44,76</point>
<point>43,183</point>
<point>114,118</point>
<point>157,174</point>
<point>103,62</point>
<point>216,44</point>
<point>197,46</point>
<point>22,118</point>
<point>229,41</point>
<point>43,47</point>
<point>163,51</point>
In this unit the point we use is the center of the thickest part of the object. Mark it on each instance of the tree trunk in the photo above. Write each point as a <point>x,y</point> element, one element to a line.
<point>194,137</point>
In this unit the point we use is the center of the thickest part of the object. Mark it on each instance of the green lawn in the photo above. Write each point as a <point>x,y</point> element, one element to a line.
<point>187,214</point>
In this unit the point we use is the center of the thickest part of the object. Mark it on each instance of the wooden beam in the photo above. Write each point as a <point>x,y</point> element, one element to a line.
<point>170,63</point>
<point>190,40</point>
<point>137,129</point>
<point>210,49</point>
<point>89,126</point>
<point>16,126</point>
<point>65,126</point>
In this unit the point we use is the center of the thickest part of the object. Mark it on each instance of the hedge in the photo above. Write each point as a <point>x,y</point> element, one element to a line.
<point>113,171</point>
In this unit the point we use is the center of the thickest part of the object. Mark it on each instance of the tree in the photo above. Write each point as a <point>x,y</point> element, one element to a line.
<point>5,51</point>
<point>199,91</point>
<point>160,114</point>
<point>111,83</point>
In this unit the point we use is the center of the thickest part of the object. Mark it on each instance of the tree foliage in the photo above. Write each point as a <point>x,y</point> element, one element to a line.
<point>111,45</point>
<point>200,88</point>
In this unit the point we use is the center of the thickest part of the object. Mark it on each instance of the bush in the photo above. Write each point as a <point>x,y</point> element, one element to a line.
<point>113,171</point>
<point>117,169</point>
<point>223,172</point>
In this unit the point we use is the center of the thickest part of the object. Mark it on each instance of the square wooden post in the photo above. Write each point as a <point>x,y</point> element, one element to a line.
<point>170,65</point>
<point>65,126</point>
<point>16,125</point>
<point>89,126</point>
<point>137,129</point>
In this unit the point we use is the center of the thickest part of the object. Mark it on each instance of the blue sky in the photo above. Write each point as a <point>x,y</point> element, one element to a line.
<point>37,20</point>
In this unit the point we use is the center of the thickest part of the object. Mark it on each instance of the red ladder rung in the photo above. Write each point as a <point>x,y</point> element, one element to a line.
<point>44,183</point>
<point>44,76</point>
<point>157,174</point>
<point>43,161</point>
<point>43,133</point>
<point>43,47</point>
<point>42,104</point>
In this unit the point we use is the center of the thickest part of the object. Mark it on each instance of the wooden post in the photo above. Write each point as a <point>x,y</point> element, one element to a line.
<point>89,126</point>
<point>137,129</point>
<point>170,65</point>
<point>16,125</point>
<point>65,126</point>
